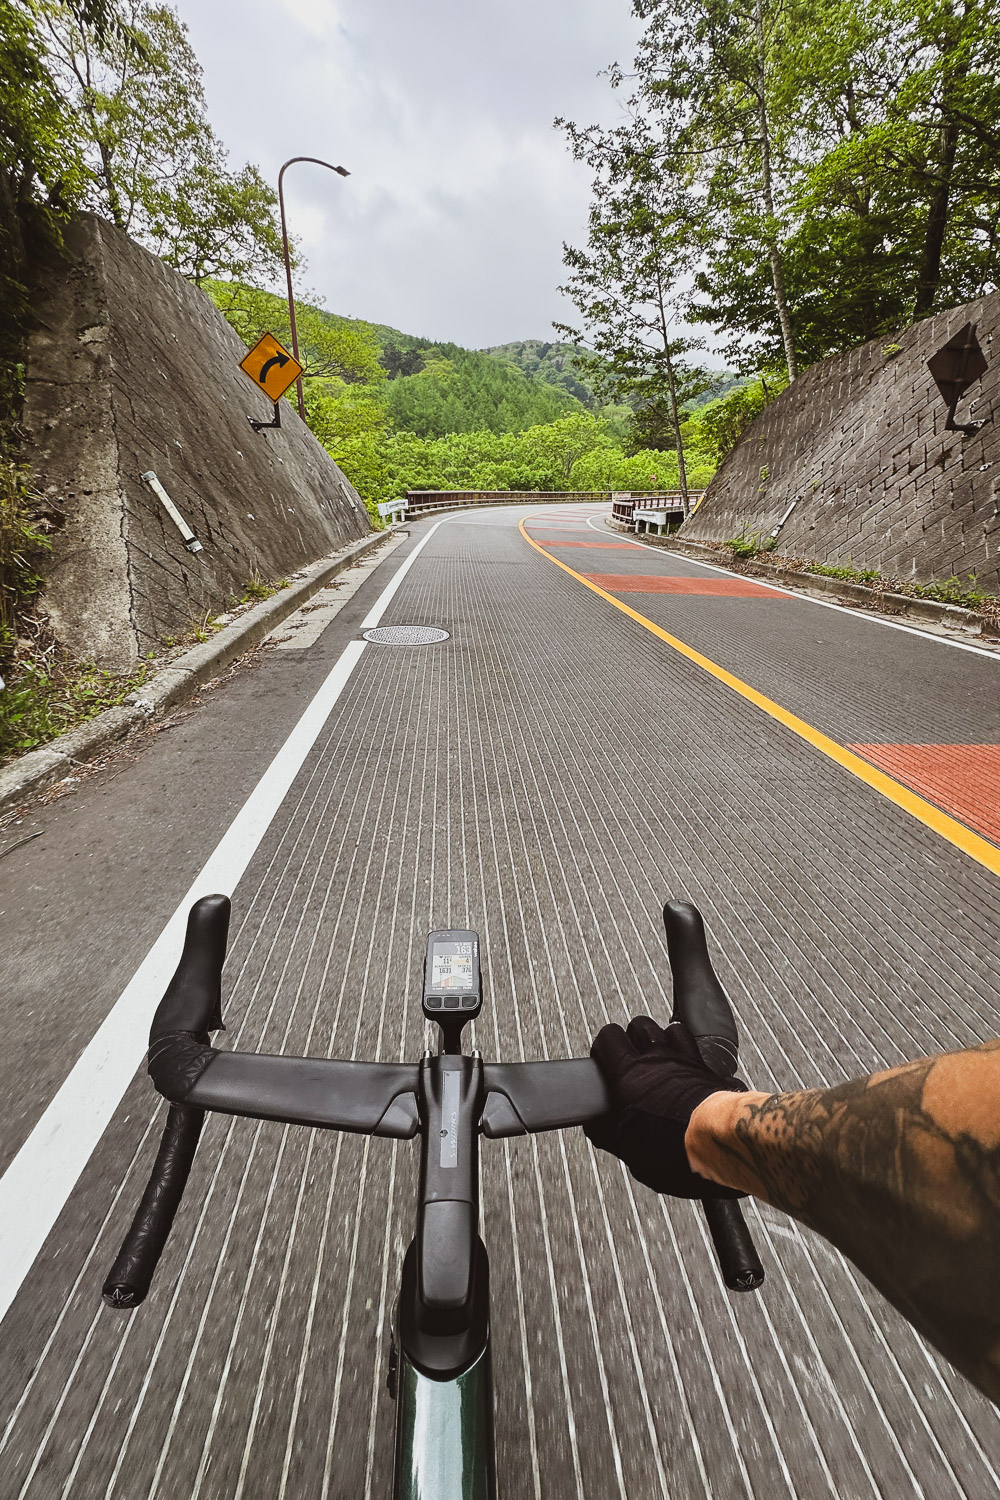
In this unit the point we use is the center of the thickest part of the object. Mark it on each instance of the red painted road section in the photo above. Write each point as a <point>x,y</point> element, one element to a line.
<point>558,541</point>
<point>964,780</point>
<point>731,588</point>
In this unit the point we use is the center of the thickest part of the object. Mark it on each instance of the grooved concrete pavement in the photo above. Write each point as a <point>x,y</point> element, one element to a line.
<point>547,775</point>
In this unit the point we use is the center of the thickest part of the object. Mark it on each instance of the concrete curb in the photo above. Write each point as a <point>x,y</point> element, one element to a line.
<point>951,618</point>
<point>39,768</point>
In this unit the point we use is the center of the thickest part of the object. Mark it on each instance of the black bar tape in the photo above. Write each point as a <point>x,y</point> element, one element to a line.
<point>738,1260</point>
<point>130,1277</point>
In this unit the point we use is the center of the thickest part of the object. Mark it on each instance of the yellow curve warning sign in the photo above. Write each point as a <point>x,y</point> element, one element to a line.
<point>270,367</point>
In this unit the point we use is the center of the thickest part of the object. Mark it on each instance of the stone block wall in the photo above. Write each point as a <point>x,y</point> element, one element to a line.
<point>859,443</point>
<point>132,368</point>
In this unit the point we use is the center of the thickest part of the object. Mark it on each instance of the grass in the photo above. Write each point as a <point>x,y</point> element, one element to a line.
<point>967,594</point>
<point>850,575</point>
<point>47,691</point>
<point>21,543</point>
<point>750,546</point>
<point>49,694</point>
<point>256,588</point>
<point>945,591</point>
<point>954,591</point>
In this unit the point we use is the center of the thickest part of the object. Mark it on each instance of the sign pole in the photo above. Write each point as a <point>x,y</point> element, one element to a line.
<point>343,172</point>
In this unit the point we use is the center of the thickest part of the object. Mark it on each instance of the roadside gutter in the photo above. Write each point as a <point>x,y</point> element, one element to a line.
<point>175,682</point>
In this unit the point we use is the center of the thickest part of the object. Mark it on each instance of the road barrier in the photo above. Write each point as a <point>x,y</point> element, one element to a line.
<point>624,507</point>
<point>421,501</point>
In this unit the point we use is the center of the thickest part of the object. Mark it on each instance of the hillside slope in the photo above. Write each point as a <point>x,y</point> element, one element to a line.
<point>856,464</point>
<point>553,363</point>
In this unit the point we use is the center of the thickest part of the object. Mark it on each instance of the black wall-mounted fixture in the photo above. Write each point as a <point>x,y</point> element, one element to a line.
<point>955,367</point>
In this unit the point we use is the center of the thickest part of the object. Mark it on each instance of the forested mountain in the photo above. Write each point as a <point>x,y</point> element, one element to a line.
<point>430,389</point>
<point>553,363</point>
<point>399,412</point>
<point>436,389</point>
<point>460,390</point>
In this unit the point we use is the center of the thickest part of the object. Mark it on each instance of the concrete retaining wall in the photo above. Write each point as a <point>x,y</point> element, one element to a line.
<point>132,369</point>
<point>859,442</point>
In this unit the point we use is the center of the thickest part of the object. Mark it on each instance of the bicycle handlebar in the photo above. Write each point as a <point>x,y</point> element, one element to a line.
<point>190,1009</point>
<point>699,999</point>
<point>130,1277</point>
<point>381,1098</point>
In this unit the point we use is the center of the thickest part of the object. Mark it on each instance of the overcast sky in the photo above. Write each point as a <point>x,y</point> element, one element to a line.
<point>461,194</point>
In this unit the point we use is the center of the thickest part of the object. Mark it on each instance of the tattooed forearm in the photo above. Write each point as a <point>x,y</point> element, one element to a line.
<point>901,1171</point>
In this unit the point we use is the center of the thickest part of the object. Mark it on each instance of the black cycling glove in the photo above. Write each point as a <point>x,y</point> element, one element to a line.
<point>657,1079</point>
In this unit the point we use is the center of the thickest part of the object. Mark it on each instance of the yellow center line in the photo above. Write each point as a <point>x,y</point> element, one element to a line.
<point>979,849</point>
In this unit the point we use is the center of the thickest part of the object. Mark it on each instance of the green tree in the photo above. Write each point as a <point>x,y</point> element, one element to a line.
<point>463,390</point>
<point>715,430</point>
<point>844,153</point>
<point>556,364</point>
<point>643,236</point>
<point>43,175</point>
<point>158,170</point>
<point>942,142</point>
<point>330,347</point>
<point>705,73</point>
<point>893,165</point>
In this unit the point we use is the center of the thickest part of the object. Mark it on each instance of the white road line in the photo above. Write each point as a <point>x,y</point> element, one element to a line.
<point>384,599</point>
<point>38,1182</point>
<point>845,609</point>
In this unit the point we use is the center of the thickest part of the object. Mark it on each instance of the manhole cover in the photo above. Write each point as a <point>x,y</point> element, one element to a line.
<point>405,635</point>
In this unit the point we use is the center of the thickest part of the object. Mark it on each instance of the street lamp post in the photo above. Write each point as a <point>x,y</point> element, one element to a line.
<point>288,260</point>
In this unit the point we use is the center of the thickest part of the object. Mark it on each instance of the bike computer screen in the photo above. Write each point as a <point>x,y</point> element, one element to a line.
<point>451,973</point>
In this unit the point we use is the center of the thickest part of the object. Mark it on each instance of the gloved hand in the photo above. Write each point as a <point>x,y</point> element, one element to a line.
<point>657,1079</point>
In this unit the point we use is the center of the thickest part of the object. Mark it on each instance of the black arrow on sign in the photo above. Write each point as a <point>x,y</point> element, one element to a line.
<point>276,359</point>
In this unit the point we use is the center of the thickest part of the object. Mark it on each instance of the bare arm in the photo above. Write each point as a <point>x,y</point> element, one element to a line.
<point>901,1171</point>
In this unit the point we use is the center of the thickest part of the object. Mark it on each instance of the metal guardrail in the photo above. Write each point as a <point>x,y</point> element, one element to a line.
<point>428,500</point>
<point>624,507</point>
<point>423,501</point>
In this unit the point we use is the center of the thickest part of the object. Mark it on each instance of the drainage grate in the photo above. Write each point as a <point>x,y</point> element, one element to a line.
<point>405,635</point>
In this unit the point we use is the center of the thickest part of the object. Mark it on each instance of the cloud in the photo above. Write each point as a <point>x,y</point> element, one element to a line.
<point>461,194</point>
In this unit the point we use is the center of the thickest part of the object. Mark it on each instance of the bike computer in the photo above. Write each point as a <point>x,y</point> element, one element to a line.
<point>452,981</point>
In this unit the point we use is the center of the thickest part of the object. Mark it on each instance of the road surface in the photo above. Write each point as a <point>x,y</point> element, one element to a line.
<point>606,725</point>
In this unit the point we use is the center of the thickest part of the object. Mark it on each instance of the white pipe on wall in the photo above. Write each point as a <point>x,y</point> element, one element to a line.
<point>191,542</point>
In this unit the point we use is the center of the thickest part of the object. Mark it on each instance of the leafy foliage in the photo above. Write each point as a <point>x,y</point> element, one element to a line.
<point>555,364</point>
<point>841,159</point>
<point>157,169</point>
<point>578,452</point>
<point>21,543</point>
<point>42,175</point>
<point>717,428</point>
<point>464,420</point>
<point>460,390</point>
<point>344,350</point>
<point>53,694</point>
<point>626,284</point>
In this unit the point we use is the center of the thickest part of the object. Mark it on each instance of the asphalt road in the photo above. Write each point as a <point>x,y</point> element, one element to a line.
<point>547,775</point>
